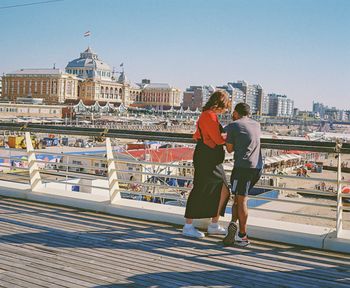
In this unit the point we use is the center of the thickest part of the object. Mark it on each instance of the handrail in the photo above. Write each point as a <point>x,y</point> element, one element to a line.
<point>279,144</point>
<point>114,186</point>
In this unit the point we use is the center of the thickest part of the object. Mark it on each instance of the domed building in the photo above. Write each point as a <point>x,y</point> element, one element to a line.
<point>98,82</point>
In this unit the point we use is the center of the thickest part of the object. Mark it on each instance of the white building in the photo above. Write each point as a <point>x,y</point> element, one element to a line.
<point>280,105</point>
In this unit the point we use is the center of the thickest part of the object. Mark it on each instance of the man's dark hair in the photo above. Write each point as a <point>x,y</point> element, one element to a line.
<point>243,109</point>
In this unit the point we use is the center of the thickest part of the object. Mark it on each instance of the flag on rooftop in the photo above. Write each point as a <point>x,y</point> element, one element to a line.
<point>87,33</point>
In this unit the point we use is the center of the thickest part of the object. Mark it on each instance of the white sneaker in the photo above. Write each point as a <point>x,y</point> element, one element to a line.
<point>243,242</point>
<point>190,231</point>
<point>215,228</point>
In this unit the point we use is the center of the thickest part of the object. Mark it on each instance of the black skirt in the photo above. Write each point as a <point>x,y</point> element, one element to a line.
<point>209,176</point>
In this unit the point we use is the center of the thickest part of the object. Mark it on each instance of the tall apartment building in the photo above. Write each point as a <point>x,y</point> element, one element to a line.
<point>319,109</point>
<point>195,97</point>
<point>280,105</point>
<point>253,95</point>
<point>0,87</point>
<point>52,85</point>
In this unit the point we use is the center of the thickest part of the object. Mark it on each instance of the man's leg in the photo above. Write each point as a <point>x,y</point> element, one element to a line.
<point>232,227</point>
<point>242,208</point>
<point>234,210</point>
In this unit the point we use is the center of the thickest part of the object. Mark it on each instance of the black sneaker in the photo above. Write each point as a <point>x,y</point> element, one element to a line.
<point>231,234</point>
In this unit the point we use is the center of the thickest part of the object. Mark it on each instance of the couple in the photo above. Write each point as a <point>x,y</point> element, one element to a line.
<point>210,193</point>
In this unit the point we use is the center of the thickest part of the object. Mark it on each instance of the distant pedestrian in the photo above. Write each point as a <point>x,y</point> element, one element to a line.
<point>243,137</point>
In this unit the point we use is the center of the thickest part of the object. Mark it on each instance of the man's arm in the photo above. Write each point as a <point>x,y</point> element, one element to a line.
<point>230,138</point>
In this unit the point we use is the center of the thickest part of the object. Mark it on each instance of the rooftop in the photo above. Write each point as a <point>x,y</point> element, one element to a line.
<point>88,59</point>
<point>37,71</point>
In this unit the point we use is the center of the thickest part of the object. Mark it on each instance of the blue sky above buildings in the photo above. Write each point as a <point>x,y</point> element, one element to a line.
<point>296,47</point>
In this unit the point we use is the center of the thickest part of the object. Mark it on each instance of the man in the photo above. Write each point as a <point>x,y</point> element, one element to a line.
<point>243,137</point>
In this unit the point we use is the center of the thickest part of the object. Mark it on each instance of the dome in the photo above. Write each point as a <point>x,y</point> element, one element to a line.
<point>88,60</point>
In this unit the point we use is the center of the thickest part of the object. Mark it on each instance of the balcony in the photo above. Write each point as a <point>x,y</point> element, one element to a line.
<point>51,196</point>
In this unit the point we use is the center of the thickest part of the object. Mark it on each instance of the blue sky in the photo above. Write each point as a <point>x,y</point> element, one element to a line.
<point>300,48</point>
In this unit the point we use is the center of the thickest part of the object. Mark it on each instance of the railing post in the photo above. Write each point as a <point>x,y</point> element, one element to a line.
<point>34,173</point>
<point>112,173</point>
<point>339,224</point>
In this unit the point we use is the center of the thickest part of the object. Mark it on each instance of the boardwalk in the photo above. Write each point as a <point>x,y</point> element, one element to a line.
<point>52,246</point>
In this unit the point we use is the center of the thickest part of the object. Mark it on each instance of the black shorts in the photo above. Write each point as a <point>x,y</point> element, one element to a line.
<point>243,180</point>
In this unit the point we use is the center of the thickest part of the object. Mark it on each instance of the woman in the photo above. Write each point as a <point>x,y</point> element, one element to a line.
<point>210,193</point>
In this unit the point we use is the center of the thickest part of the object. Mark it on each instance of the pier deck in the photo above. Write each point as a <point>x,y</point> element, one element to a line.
<point>51,246</point>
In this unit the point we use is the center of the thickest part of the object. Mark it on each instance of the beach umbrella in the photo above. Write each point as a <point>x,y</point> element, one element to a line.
<point>345,189</point>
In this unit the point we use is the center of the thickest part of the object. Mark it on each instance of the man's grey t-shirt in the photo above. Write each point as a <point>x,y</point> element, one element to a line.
<point>244,134</point>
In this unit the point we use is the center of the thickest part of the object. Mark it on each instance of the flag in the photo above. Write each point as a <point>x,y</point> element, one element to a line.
<point>87,33</point>
<point>121,64</point>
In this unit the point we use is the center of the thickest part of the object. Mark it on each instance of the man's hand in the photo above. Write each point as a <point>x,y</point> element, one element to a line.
<point>229,147</point>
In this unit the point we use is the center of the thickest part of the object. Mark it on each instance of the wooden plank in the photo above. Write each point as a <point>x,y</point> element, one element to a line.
<point>16,282</point>
<point>230,280</point>
<point>128,259</point>
<point>191,255</point>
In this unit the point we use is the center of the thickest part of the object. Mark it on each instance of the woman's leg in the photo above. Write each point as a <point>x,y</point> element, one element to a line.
<point>225,194</point>
<point>189,221</point>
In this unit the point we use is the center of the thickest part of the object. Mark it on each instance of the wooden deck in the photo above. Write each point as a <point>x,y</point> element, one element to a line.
<point>50,246</point>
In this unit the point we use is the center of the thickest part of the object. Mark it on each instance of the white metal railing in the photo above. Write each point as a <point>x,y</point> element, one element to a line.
<point>152,181</point>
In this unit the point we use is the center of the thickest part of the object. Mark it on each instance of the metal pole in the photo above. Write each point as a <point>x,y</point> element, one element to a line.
<point>67,170</point>
<point>112,173</point>
<point>34,174</point>
<point>339,224</point>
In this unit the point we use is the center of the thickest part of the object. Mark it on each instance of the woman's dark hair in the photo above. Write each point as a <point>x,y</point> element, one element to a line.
<point>219,99</point>
<point>243,109</point>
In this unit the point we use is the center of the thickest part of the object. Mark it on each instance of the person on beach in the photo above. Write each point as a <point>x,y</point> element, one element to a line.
<point>209,195</point>
<point>243,137</point>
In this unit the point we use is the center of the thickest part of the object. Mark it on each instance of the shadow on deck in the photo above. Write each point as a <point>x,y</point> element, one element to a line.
<point>51,246</point>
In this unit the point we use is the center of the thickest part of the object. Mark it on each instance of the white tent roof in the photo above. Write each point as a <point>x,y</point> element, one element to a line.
<point>280,158</point>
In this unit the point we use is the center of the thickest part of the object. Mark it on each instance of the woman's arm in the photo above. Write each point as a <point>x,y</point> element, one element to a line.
<point>212,128</point>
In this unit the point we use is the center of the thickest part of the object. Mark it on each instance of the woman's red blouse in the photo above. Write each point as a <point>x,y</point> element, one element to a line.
<point>209,124</point>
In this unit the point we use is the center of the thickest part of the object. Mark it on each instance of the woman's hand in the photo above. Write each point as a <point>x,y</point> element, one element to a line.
<point>224,136</point>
